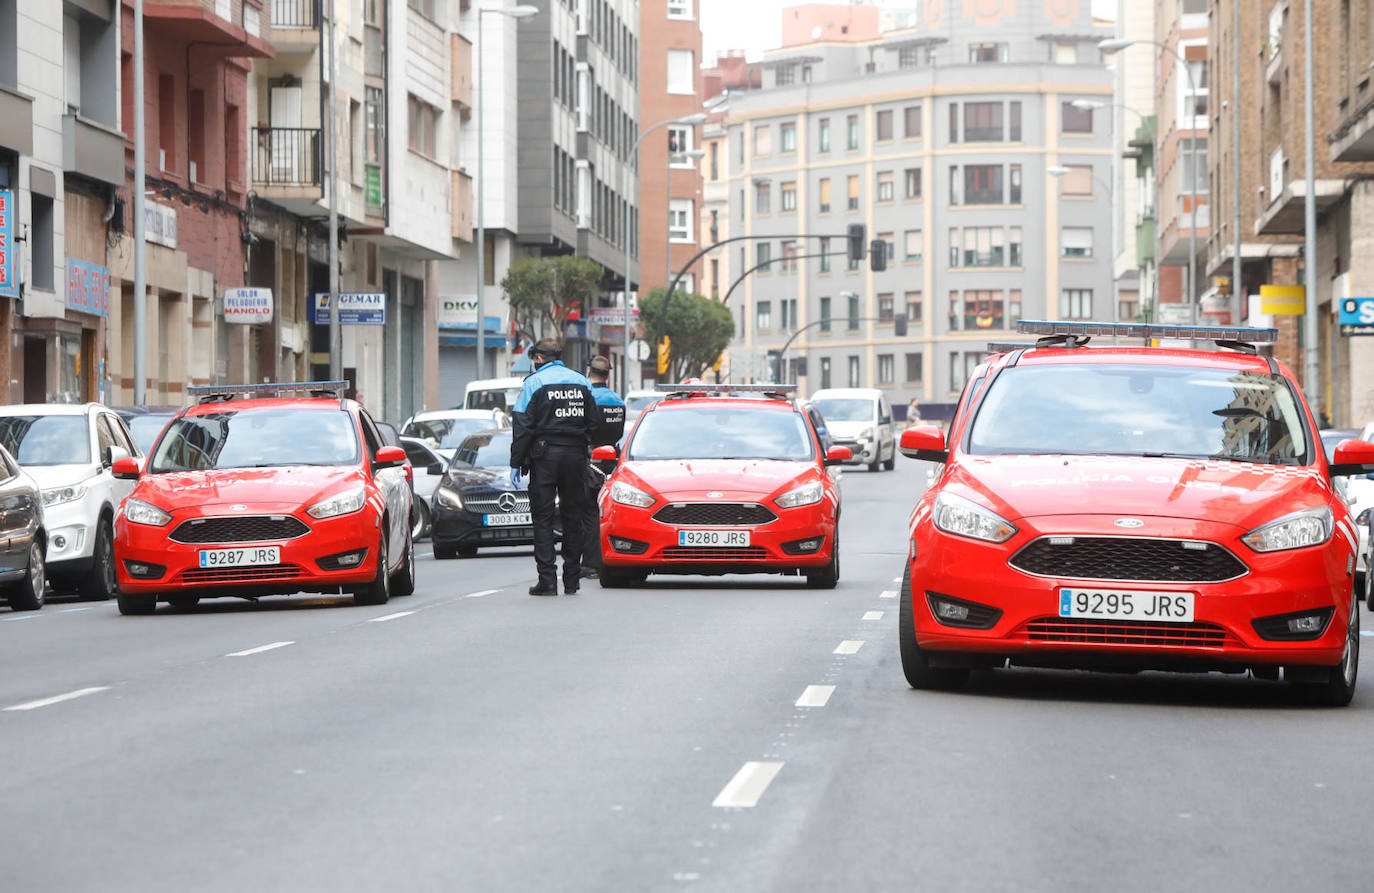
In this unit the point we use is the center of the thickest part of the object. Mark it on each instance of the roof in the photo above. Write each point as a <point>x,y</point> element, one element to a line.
<point>717,402</point>
<point>48,409</point>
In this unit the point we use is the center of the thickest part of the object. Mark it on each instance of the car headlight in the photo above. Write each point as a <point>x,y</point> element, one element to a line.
<point>1311,527</point>
<point>961,517</point>
<point>1362,518</point>
<point>626,495</point>
<point>806,494</point>
<point>339,504</point>
<point>448,498</point>
<point>60,495</point>
<point>139,512</point>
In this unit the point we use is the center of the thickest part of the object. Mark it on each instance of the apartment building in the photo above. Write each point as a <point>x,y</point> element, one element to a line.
<point>961,143</point>
<point>1133,118</point>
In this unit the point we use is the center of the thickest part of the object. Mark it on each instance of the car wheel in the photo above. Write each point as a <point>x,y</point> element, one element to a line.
<point>419,528</point>
<point>877,461</point>
<point>101,584</point>
<point>378,592</point>
<point>137,602</point>
<point>891,463</point>
<point>827,577</point>
<point>467,551</point>
<point>915,665</point>
<point>443,553</point>
<point>28,594</point>
<point>1339,687</point>
<point>404,581</point>
<point>183,602</point>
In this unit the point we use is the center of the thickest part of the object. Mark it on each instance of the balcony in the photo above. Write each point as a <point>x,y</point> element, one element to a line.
<point>295,25</point>
<point>16,121</point>
<point>1354,138</point>
<point>226,28</point>
<point>92,150</point>
<point>287,167</point>
<point>1287,209</point>
<point>461,73</point>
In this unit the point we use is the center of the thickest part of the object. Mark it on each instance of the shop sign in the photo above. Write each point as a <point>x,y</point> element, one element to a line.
<point>613,316</point>
<point>1283,300</point>
<point>458,312</point>
<point>1357,316</point>
<point>355,309</point>
<point>248,306</point>
<point>372,185</point>
<point>160,224</point>
<point>9,252</point>
<point>88,287</point>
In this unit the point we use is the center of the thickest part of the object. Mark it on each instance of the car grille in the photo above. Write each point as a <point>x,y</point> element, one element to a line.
<point>240,574</point>
<point>486,503</point>
<point>715,513</point>
<point>1087,631</point>
<point>245,529</point>
<point>1128,558</point>
<point>737,553</point>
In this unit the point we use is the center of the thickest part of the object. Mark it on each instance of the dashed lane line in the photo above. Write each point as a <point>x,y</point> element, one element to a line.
<point>873,615</point>
<point>58,699</point>
<point>482,594</point>
<point>816,696</point>
<point>896,579</point>
<point>258,650</point>
<point>848,646</point>
<point>385,617</point>
<point>72,610</point>
<point>20,617</point>
<point>888,593</point>
<point>748,785</point>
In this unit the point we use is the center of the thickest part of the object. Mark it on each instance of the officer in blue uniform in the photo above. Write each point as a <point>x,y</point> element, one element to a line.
<point>607,429</point>
<point>551,421</point>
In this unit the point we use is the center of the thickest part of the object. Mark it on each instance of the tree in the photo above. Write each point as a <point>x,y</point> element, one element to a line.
<point>544,291</point>
<point>698,329</point>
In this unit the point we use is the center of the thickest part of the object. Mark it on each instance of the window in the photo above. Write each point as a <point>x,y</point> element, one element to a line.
<point>852,132</point>
<point>853,193</point>
<point>166,121</point>
<point>915,369</point>
<point>786,74</point>
<point>679,140</point>
<point>823,136</point>
<point>914,244</point>
<point>741,206</point>
<point>195,134</point>
<point>1075,120</point>
<point>979,53</point>
<point>1185,154</point>
<point>885,307</point>
<point>853,323</point>
<point>423,7</point>
<point>909,57</point>
<point>890,245</point>
<point>984,246</point>
<point>983,184</point>
<point>824,195</point>
<point>825,255</point>
<point>825,372</point>
<point>763,320</point>
<point>789,196</point>
<point>912,177</point>
<point>1076,241</point>
<point>782,315</point>
<point>1076,303</point>
<point>1064,53</point>
<point>1014,246</point>
<point>884,186</point>
<point>806,74</point>
<point>914,307</point>
<point>825,315</point>
<point>885,365</point>
<point>681,72</point>
<point>423,120</point>
<point>763,140</point>
<point>789,313</point>
<point>983,122</point>
<point>763,198</point>
<point>788,137</point>
<point>1014,121</point>
<point>1198,106</point>
<point>762,255</point>
<point>789,260</point>
<point>911,122</point>
<point>375,138</point>
<point>954,122</point>
<point>882,125</point>
<point>1078,180</point>
<point>41,240</point>
<point>1014,305</point>
<point>954,307</point>
<point>1014,182</point>
<point>983,309</point>
<point>1127,311</point>
<point>680,214</point>
<point>679,9</point>
<point>739,145</point>
<point>854,380</point>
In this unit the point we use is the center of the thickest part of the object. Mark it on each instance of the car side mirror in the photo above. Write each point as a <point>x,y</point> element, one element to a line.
<point>389,457</point>
<point>124,468</point>
<point>1352,457</point>
<point>925,442</point>
<point>434,468</point>
<point>837,455</point>
<point>113,454</point>
<point>605,454</point>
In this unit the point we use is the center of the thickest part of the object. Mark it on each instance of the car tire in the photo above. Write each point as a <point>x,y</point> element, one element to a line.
<point>444,553</point>
<point>827,577</point>
<point>29,593</point>
<point>137,602</point>
<point>403,583</point>
<point>419,528</point>
<point>467,551</point>
<point>101,583</point>
<point>378,592</point>
<point>183,602</point>
<point>877,462</point>
<point>1339,687</point>
<point>915,665</point>
<point>891,463</point>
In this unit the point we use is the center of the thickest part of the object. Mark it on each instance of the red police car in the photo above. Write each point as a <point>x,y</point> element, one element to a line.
<point>721,479</point>
<point>1133,508</point>
<point>251,492</point>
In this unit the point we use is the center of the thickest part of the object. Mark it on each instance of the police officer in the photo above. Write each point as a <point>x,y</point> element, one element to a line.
<point>551,421</point>
<point>607,429</point>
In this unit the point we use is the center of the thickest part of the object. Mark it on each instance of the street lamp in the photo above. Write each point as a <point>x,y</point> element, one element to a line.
<point>522,11</point>
<point>630,162</point>
<point>1114,45</point>
<point>690,158</point>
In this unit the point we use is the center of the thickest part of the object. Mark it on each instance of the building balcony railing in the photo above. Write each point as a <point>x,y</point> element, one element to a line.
<point>301,14</point>
<point>226,27</point>
<point>286,156</point>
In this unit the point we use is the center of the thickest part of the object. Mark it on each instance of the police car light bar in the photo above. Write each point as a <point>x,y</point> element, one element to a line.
<point>779,391</point>
<point>210,393</point>
<point>1148,331</point>
<point>1008,346</point>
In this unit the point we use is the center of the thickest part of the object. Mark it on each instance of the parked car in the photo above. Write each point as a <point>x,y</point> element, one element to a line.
<point>638,401</point>
<point>475,504</point>
<point>69,449</point>
<point>860,419</point>
<point>429,468</point>
<point>1358,493</point>
<point>146,423</point>
<point>23,571</point>
<point>444,430</point>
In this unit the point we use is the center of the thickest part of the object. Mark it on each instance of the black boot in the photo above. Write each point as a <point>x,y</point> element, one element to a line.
<point>542,588</point>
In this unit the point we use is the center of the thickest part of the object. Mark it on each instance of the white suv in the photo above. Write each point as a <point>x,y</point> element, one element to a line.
<point>68,451</point>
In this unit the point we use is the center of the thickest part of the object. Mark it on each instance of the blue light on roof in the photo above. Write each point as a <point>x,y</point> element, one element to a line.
<point>1149,331</point>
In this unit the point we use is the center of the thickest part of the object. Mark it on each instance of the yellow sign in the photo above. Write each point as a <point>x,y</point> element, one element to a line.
<point>1283,300</point>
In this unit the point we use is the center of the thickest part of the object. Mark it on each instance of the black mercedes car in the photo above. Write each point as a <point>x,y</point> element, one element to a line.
<point>475,504</point>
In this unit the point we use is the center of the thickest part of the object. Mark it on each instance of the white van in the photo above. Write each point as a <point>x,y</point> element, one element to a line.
<point>493,393</point>
<point>861,419</point>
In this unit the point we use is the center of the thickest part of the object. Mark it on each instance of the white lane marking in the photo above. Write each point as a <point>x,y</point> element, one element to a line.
<point>848,646</point>
<point>484,592</point>
<point>1367,632</point>
<point>384,618</point>
<point>873,615</point>
<point>888,593</point>
<point>748,785</point>
<point>896,579</point>
<point>258,650</point>
<point>72,610</point>
<point>20,617</point>
<point>816,696</point>
<point>57,699</point>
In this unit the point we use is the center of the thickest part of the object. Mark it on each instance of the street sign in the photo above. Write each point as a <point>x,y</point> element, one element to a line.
<point>372,188</point>
<point>1284,300</point>
<point>248,306</point>
<point>355,309</point>
<point>457,312</point>
<point>1174,313</point>
<point>1357,316</point>
<point>639,351</point>
<point>9,252</point>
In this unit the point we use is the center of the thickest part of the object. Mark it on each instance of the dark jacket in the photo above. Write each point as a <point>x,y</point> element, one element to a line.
<point>555,406</point>
<point>609,424</point>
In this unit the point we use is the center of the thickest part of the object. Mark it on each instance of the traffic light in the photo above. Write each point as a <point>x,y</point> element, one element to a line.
<point>877,255</point>
<point>716,365</point>
<point>858,234</point>
<point>899,325</point>
<point>663,355</point>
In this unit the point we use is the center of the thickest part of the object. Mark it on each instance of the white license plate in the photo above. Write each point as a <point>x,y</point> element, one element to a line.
<point>713,539</point>
<point>246,557</point>
<point>515,519</point>
<point>1126,604</point>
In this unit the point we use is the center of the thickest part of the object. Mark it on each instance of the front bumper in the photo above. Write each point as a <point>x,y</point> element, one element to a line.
<point>71,530</point>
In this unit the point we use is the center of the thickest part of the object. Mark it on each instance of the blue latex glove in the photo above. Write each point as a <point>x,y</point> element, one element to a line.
<point>517,480</point>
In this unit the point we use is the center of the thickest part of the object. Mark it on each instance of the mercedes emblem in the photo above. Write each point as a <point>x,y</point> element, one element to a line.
<point>506,502</point>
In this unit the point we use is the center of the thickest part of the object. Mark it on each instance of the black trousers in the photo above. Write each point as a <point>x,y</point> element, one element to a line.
<point>560,470</point>
<point>591,550</point>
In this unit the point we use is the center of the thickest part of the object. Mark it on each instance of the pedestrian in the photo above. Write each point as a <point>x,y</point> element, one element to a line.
<point>551,422</point>
<point>607,429</point>
<point>913,412</point>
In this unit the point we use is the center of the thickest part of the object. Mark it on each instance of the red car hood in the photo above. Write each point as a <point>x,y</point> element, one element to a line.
<point>731,478</point>
<point>1242,494</point>
<point>279,490</point>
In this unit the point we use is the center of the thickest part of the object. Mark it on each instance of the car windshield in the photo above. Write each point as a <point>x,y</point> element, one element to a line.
<point>492,398</point>
<point>447,434</point>
<point>719,432</point>
<point>1145,410</point>
<point>846,409</point>
<point>641,402</point>
<point>145,429</point>
<point>46,439</point>
<point>257,438</point>
<point>484,451</point>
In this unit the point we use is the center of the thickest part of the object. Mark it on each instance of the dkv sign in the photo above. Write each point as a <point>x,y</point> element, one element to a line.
<point>458,312</point>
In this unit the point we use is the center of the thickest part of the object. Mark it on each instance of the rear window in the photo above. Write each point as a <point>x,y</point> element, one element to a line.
<point>257,438</point>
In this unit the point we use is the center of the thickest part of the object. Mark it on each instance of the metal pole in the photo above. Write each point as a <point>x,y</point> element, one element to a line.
<point>1311,367</point>
<point>625,294</point>
<point>335,332</point>
<point>1192,191</point>
<point>1237,295</point>
<point>481,215</point>
<point>140,236</point>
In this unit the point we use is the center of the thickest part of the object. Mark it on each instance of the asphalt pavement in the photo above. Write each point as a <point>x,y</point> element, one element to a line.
<point>722,734</point>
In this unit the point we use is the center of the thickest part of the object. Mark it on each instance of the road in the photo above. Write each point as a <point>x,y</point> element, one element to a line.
<point>736,734</point>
